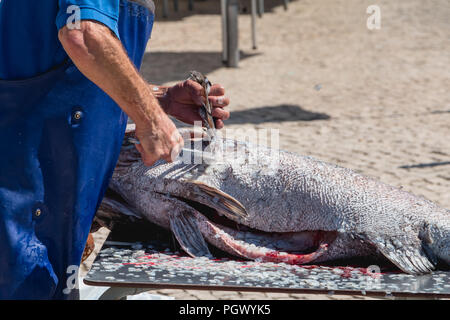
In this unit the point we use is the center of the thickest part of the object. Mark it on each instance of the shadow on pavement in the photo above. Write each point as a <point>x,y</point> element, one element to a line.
<point>211,7</point>
<point>161,67</point>
<point>280,113</point>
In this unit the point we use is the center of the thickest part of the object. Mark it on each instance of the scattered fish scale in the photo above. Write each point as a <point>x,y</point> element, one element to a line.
<point>164,266</point>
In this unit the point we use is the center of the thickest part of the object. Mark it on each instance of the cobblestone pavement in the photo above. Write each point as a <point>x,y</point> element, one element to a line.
<point>381,97</point>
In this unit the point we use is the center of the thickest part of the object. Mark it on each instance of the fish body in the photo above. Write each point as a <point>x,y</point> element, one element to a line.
<point>295,209</point>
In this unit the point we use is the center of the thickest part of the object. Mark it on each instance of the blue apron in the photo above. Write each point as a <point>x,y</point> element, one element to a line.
<point>60,137</point>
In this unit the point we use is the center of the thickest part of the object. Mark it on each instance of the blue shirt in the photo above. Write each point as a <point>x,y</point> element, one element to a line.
<point>29,44</point>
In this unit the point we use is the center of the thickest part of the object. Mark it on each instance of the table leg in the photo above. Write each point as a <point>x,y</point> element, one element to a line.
<point>260,8</point>
<point>165,8</point>
<point>232,33</point>
<point>175,5</point>
<point>253,9</point>
<point>223,10</point>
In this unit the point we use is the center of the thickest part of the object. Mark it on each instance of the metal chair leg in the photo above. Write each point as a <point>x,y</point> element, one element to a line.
<point>223,10</point>
<point>260,8</point>
<point>165,8</point>
<point>232,33</point>
<point>253,10</point>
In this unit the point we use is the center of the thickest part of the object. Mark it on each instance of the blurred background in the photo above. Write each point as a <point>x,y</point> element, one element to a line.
<point>376,101</point>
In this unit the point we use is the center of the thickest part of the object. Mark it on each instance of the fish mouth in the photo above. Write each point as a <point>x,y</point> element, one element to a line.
<point>242,241</point>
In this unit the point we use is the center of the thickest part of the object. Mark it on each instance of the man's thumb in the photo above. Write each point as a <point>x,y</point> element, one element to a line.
<point>148,160</point>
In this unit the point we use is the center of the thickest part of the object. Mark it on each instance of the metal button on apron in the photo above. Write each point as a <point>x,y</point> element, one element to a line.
<point>77,115</point>
<point>38,212</point>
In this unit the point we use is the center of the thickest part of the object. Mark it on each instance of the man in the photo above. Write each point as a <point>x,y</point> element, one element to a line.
<point>68,80</point>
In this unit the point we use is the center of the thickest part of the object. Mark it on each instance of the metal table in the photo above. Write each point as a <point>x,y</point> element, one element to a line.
<point>129,266</point>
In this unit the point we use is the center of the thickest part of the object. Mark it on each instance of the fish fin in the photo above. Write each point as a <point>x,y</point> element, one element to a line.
<point>117,207</point>
<point>221,201</point>
<point>184,226</point>
<point>406,253</point>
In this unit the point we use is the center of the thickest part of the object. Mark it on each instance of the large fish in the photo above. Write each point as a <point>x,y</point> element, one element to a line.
<point>295,210</point>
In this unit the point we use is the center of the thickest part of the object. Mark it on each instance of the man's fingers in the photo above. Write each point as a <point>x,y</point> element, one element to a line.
<point>173,154</point>
<point>150,161</point>
<point>219,124</point>
<point>196,91</point>
<point>219,101</point>
<point>147,159</point>
<point>140,149</point>
<point>216,93</point>
<point>217,90</point>
<point>220,113</point>
<point>176,149</point>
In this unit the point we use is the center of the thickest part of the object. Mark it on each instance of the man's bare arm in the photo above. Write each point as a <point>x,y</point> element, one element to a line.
<point>100,56</point>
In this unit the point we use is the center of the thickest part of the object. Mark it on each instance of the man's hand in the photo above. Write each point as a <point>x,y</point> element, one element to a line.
<point>183,100</point>
<point>158,140</point>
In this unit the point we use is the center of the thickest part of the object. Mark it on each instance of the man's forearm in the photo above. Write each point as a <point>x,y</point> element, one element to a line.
<point>100,56</point>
